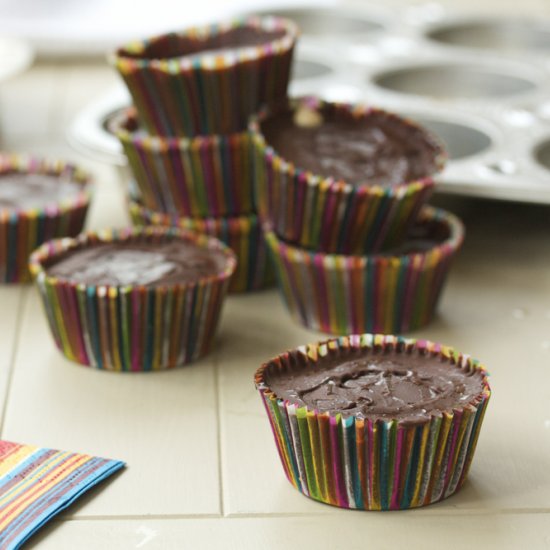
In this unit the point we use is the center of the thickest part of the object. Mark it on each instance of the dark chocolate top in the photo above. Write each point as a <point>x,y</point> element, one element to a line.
<point>421,237</point>
<point>376,149</point>
<point>404,386</point>
<point>138,263</point>
<point>23,190</point>
<point>178,45</point>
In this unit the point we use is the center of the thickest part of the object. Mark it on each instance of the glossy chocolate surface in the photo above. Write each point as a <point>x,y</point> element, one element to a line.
<point>138,263</point>
<point>391,385</point>
<point>25,190</point>
<point>377,149</point>
<point>176,45</point>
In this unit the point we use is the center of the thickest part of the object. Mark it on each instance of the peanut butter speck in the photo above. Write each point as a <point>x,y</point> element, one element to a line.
<point>306,117</point>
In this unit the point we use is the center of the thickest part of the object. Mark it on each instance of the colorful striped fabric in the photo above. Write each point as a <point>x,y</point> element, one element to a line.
<point>38,483</point>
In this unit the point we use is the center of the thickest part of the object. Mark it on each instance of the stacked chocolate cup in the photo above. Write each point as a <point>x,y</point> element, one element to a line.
<point>360,421</point>
<point>187,141</point>
<point>342,193</point>
<point>39,200</point>
<point>133,300</point>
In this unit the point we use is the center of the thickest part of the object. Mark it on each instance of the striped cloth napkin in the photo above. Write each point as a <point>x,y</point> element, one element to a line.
<point>36,484</point>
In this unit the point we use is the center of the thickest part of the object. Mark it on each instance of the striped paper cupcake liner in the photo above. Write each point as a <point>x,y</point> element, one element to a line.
<point>23,230</point>
<point>243,234</point>
<point>132,327</point>
<point>180,90</point>
<point>201,176</point>
<point>37,483</point>
<point>333,216</point>
<point>390,293</point>
<point>382,464</point>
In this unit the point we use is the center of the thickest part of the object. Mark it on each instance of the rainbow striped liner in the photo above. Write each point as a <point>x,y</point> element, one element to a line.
<point>355,462</point>
<point>37,483</point>
<point>182,88</point>
<point>21,231</point>
<point>332,216</point>
<point>132,328</point>
<point>201,176</point>
<point>243,234</point>
<point>387,293</point>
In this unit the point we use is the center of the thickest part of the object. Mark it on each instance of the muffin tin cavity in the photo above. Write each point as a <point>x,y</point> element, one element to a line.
<point>502,35</point>
<point>454,81</point>
<point>542,154</point>
<point>321,23</point>
<point>304,69</point>
<point>461,141</point>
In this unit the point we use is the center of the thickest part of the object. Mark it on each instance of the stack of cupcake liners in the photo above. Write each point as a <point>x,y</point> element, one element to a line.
<point>349,258</point>
<point>243,234</point>
<point>187,141</point>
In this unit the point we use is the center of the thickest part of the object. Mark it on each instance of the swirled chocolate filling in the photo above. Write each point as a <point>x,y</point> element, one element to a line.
<point>27,190</point>
<point>138,263</point>
<point>375,149</point>
<point>390,385</point>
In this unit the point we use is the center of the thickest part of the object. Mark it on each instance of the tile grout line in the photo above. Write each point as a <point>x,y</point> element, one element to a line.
<point>297,515</point>
<point>219,430</point>
<point>23,299</point>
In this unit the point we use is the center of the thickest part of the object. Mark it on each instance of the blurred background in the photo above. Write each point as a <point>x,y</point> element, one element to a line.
<point>476,73</point>
<point>74,27</point>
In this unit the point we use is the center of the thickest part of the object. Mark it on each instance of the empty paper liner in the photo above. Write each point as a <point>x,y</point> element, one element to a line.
<point>243,234</point>
<point>132,327</point>
<point>208,80</point>
<point>322,213</point>
<point>37,483</point>
<point>374,462</point>
<point>201,176</point>
<point>23,229</point>
<point>391,293</point>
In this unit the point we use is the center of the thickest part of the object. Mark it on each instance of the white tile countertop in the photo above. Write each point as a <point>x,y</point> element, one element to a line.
<point>203,471</point>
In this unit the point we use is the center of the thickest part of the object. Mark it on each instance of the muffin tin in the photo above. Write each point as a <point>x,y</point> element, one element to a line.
<point>481,84</point>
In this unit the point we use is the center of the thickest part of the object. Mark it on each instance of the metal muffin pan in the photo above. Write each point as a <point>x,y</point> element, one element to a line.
<point>444,80</point>
<point>89,133</point>
<point>334,22</point>
<point>488,101</point>
<point>481,84</point>
<point>513,37</point>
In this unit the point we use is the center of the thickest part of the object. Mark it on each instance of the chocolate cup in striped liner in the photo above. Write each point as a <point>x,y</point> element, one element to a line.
<point>40,217</point>
<point>375,461</point>
<point>201,176</point>
<point>132,327</point>
<point>390,293</point>
<point>208,80</point>
<point>319,212</point>
<point>243,234</point>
